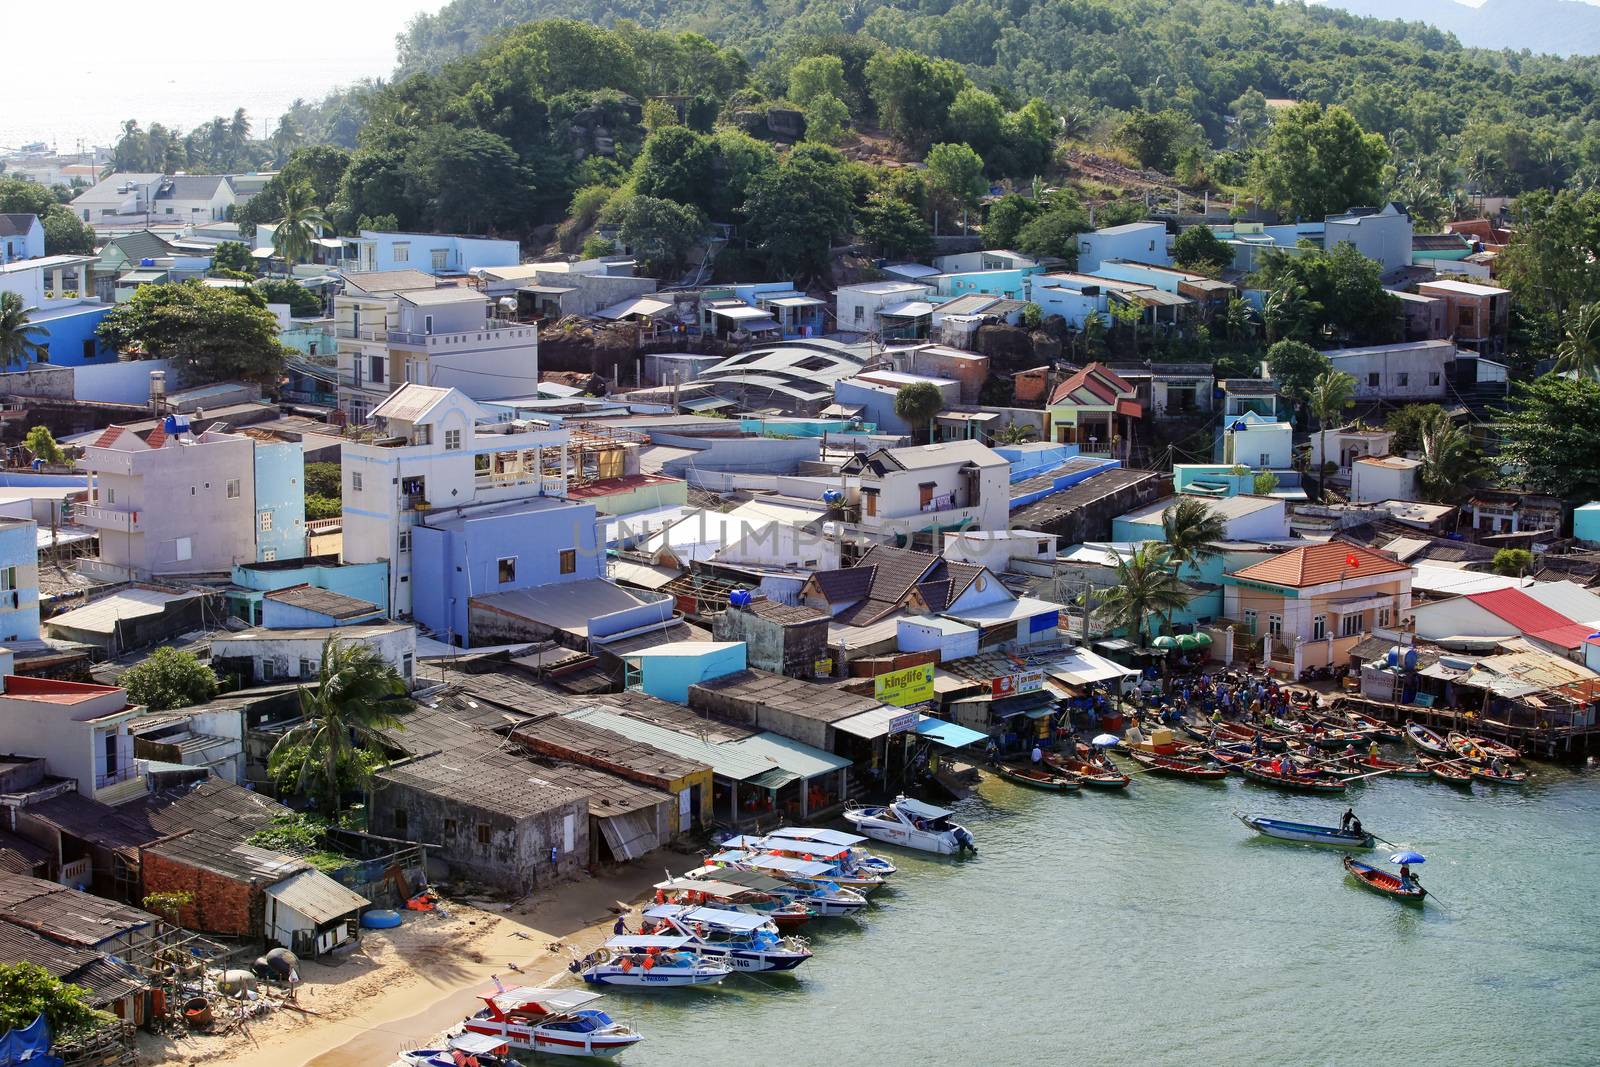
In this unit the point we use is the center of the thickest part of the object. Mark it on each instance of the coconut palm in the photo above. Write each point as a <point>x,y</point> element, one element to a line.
<point>1237,319</point>
<point>1330,394</point>
<point>1192,529</point>
<point>357,694</point>
<point>1449,461</point>
<point>1146,586</point>
<point>19,338</point>
<point>1018,433</point>
<point>1579,350</point>
<point>300,225</point>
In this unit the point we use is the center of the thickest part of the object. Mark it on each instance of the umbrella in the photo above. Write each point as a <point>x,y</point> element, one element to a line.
<point>1187,642</point>
<point>1106,741</point>
<point>1202,640</point>
<point>1408,857</point>
<point>1164,641</point>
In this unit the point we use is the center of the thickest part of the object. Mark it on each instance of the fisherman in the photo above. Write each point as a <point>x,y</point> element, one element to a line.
<point>1372,752</point>
<point>1346,819</point>
<point>620,927</point>
<point>1355,826</point>
<point>1037,755</point>
<point>1255,744</point>
<point>1497,765</point>
<point>1406,884</point>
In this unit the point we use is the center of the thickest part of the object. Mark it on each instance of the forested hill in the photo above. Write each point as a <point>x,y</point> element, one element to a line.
<point>1556,27</point>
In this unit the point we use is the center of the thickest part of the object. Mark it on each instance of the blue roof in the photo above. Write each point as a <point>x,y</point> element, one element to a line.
<point>949,734</point>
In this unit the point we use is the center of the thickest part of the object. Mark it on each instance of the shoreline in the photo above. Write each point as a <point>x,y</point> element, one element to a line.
<point>401,992</point>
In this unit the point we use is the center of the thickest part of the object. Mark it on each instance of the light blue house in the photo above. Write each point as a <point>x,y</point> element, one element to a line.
<point>667,671</point>
<point>305,607</point>
<point>19,580</point>
<point>431,253</point>
<point>21,237</point>
<point>522,545</point>
<point>1012,283</point>
<point>70,337</point>
<point>1256,441</point>
<point>365,582</point>
<point>280,484</point>
<point>1586,522</point>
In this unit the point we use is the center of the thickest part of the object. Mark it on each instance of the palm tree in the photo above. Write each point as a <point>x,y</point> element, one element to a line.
<point>357,694</point>
<point>1146,586</point>
<point>1579,350</point>
<point>1236,319</point>
<point>1018,433</point>
<point>19,338</point>
<point>1330,394</point>
<point>300,225</point>
<point>1449,461</point>
<point>285,139</point>
<point>1192,529</point>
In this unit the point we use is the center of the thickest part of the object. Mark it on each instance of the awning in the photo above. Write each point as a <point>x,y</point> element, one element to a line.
<point>948,734</point>
<point>545,290</point>
<point>740,313</point>
<point>796,302</point>
<point>631,834</point>
<point>911,309</point>
<point>140,277</point>
<point>1350,607</point>
<point>262,253</point>
<point>707,403</point>
<point>760,325</point>
<point>643,305</point>
<point>477,1044</point>
<point>776,778</point>
<point>966,416</point>
<point>841,411</point>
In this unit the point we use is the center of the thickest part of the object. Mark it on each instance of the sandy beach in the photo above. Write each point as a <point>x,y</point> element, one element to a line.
<point>401,987</point>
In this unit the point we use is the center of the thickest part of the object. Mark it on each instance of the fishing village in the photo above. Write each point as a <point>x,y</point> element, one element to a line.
<point>908,535</point>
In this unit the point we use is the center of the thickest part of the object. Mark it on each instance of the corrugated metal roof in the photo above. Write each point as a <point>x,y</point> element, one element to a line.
<point>794,756</point>
<point>410,402</point>
<point>102,616</point>
<point>316,896</point>
<point>727,760</point>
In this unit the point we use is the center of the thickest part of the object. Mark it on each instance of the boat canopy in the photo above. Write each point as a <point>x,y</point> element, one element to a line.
<point>477,1044</point>
<point>790,865</point>
<point>550,1001</point>
<point>709,886</point>
<point>920,810</point>
<point>726,920</point>
<point>639,941</point>
<point>755,880</point>
<point>818,833</point>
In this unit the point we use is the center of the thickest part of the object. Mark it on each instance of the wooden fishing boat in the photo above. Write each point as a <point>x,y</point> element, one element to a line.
<point>1381,881</point>
<point>1453,773</point>
<point>1383,731</point>
<point>1308,833</point>
<point>1486,773</point>
<point>1492,748</point>
<point>1232,755</point>
<point>1393,768</point>
<point>1177,768</point>
<point>1480,749</point>
<point>1427,740</point>
<point>1261,771</point>
<point>1091,773</point>
<point>1038,776</point>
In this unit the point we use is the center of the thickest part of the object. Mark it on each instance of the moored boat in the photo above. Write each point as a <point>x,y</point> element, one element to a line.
<point>1454,773</point>
<point>785,913</point>
<point>748,942</point>
<point>914,824</point>
<point>1178,768</point>
<point>1308,833</point>
<point>1383,731</point>
<point>1365,765</point>
<point>1381,881</point>
<point>553,1021</point>
<point>1037,776</point>
<point>1091,773</point>
<point>487,1051</point>
<point>836,858</point>
<point>859,857</point>
<point>1492,748</point>
<point>1504,776</point>
<point>790,879</point>
<point>1262,771</point>
<point>651,963</point>
<point>1427,740</point>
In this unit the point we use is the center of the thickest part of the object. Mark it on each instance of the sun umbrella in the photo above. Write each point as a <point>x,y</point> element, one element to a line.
<point>1164,641</point>
<point>1106,740</point>
<point>1187,643</point>
<point>1408,858</point>
<point>1203,640</point>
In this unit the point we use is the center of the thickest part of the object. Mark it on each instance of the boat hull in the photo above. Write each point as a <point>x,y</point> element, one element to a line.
<point>1043,780</point>
<point>1383,883</point>
<point>1296,783</point>
<point>1424,739</point>
<point>1171,768</point>
<point>893,832</point>
<point>553,1042</point>
<point>1306,833</point>
<point>660,978</point>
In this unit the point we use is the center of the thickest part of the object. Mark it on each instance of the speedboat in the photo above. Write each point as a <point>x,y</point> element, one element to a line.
<point>748,942</point>
<point>786,913</point>
<point>552,1021</point>
<point>859,857</point>
<point>488,1051</point>
<point>835,857</point>
<point>779,876</point>
<point>651,963</point>
<point>913,824</point>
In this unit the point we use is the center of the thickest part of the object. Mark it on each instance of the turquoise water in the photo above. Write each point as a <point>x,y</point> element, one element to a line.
<point>1152,928</point>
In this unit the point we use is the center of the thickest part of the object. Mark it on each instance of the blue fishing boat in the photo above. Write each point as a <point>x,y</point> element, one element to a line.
<point>1308,833</point>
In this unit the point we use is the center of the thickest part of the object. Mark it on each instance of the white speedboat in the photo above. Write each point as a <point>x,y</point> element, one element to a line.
<point>859,858</point>
<point>749,942</point>
<point>784,912</point>
<point>913,824</point>
<point>651,963</point>
<point>552,1021</point>
<point>489,1052</point>
<point>835,857</point>
<point>777,875</point>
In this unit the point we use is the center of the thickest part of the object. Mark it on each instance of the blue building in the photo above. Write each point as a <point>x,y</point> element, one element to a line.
<point>70,338</point>
<point>280,498</point>
<point>364,582</point>
<point>305,606</point>
<point>431,253</point>
<point>523,545</point>
<point>19,580</point>
<point>667,671</point>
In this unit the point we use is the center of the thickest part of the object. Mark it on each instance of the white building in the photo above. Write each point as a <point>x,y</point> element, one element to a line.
<point>153,198</point>
<point>1378,478</point>
<point>21,237</point>
<point>1257,441</point>
<point>272,657</point>
<point>857,308</point>
<point>1244,518</point>
<point>1346,445</point>
<point>999,550</point>
<point>1411,370</point>
<point>432,253</point>
<point>1382,235</point>
<point>953,485</point>
<point>1141,242</point>
<point>80,729</point>
<point>438,452</point>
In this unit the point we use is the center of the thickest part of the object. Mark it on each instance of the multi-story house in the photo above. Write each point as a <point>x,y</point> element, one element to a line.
<point>19,580</point>
<point>176,503</point>
<point>81,730</point>
<point>1093,408</point>
<point>127,197</point>
<point>461,506</point>
<point>395,327</point>
<point>1476,316</point>
<point>431,253</point>
<point>1139,242</point>
<point>947,486</point>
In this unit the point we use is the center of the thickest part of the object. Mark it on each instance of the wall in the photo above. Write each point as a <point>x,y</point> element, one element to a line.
<point>19,607</point>
<point>364,581</point>
<point>247,653</point>
<point>221,905</point>
<point>1418,370</point>
<point>1371,482</point>
<point>1385,238</point>
<point>668,677</point>
<point>280,493</point>
<point>950,642</point>
<point>1272,440</point>
<point>509,369</point>
<point>69,330</point>
<point>1586,523</point>
<point>1007,283</point>
<point>1142,243</point>
<point>771,646</point>
<point>1071,304</point>
<point>765,455</point>
<point>461,253</point>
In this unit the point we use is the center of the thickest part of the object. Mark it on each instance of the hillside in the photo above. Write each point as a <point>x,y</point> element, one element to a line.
<point>1554,27</point>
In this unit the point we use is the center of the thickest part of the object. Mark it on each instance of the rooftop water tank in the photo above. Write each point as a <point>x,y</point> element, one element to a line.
<point>739,598</point>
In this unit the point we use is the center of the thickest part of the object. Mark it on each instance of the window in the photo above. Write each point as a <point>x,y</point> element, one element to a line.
<point>308,668</point>
<point>508,569</point>
<point>1469,317</point>
<point>1352,624</point>
<point>440,259</point>
<point>422,435</point>
<point>375,369</point>
<point>268,555</point>
<point>405,540</point>
<point>452,440</point>
<point>1319,627</point>
<point>483,833</point>
<point>355,481</point>
<point>400,819</point>
<point>871,498</point>
<point>264,521</point>
<point>8,579</point>
<point>569,560</point>
<point>183,549</point>
<point>1250,621</point>
<point>449,828</point>
<point>1274,625</point>
<point>1264,459</point>
<point>1372,380</point>
<point>233,489</point>
<point>402,251</point>
<point>1402,379</point>
<point>1385,616</point>
<point>1433,377</point>
<point>88,352</point>
<point>111,495</point>
<point>269,670</point>
<point>861,313</point>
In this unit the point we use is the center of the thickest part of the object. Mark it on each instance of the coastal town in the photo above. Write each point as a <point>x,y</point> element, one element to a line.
<point>415,623</point>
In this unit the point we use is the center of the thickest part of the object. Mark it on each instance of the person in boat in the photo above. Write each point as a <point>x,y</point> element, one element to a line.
<point>1372,752</point>
<point>1346,819</point>
<point>1255,743</point>
<point>1407,883</point>
<point>1037,755</point>
<point>1497,766</point>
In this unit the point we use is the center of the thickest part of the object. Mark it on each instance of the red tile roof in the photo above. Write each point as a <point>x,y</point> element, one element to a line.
<point>1517,608</point>
<point>110,435</point>
<point>51,691</point>
<point>1321,564</point>
<point>156,437</point>
<point>1098,379</point>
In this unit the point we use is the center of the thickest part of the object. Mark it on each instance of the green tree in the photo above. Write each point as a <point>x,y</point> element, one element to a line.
<point>1317,161</point>
<point>1193,531</point>
<point>1338,295</point>
<point>1552,265</point>
<point>301,223</point>
<point>1579,350</point>
<point>468,181</point>
<point>1054,232</point>
<point>356,696</point>
<point>1157,139</point>
<point>323,507</point>
<point>21,341</point>
<point>41,445</point>
<point>660,232</point>
<point>826,118</point>
<point>658,115</point>
<point>234,256</point>
<point>955,177</point>
<point>1449,461</point>
<point>1296,367</point>
<point>817,76</point>
<point>796,212</point>
<point>1016,433</point>
<point>913,93</point>
<point>975,119</point>
<point>65,234</point>
<point>1547,437</point>
<point>893,229</point>
<point>1512,562</point>
<point>169,678</point>
<point>1200,250</point>
<point>1032,316</point>
<point>303,303</point>
<point>324,479</point>
<point>677,164</point>
<point>27,991</point>
<point>1406,423</point>
<point>1265,484</point>
<point>1006,218</point>
<point>917,403</point>
<point>1330,394</point>
<point>211,335</point>
<point>1147,589</point>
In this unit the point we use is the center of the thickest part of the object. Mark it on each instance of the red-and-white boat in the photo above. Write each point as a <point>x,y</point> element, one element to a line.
<point>553,1021</point>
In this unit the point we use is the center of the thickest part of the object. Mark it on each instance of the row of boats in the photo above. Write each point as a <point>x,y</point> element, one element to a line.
<point>736,913</point>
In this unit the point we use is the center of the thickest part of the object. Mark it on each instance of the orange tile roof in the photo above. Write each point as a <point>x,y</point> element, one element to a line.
<point>1321,564</point>
<point>51,691</point>
<point>105,439</point>
<point>1098,379</point>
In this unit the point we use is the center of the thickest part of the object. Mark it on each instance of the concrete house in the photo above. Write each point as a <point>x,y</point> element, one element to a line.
<point>1346,445</point>
<point>1381,234</point>
<point>890,309</point>
<point>273,657</point>
<point>1244,518</point>
<point>1378,478</point>
<point>122,193</point>
<point>1093,408</point>
<point>174,503</point>
<point>80,729</point>
<point>956,484</point>
<point>1476,316</point>
<point>440,463</point>
<point>1257,441</point>
<point>789,639</point>
<point>1412,370</point>
<point>557,289</point>
<point>1137,242</point>
<point>19,580</point>
<point>431,253</point>
<point>21,237</point>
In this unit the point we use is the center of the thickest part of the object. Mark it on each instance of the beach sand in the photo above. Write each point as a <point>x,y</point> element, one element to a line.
<point>402,987</point>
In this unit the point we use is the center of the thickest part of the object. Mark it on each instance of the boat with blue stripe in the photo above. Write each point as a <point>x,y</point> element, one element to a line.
<point>1308,833</point>
<point>749,942</point>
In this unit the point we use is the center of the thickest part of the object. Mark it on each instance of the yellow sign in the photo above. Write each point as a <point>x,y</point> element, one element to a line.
<point>823,668</point>
<point>909,686</point>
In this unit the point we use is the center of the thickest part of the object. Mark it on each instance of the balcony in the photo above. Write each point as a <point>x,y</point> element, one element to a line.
<point>490,335</point>
<point>365,333</point>
<point>109,518</point>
